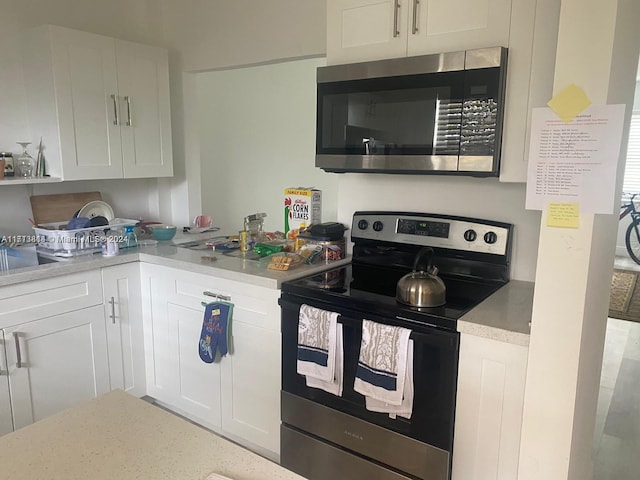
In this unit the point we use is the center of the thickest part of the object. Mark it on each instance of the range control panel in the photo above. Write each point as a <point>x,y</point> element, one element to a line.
<point>433,230</point>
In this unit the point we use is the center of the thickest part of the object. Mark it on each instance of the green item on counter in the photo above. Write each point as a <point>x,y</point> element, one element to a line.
<point>264,249</point>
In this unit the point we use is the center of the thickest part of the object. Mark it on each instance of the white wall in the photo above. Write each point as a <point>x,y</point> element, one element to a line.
<point>573,273</point>
<point>219,34</point>
<point>473,197</point>
<point>257,137</point>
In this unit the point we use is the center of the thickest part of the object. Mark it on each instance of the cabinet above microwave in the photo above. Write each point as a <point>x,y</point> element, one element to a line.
<point>432,114</point>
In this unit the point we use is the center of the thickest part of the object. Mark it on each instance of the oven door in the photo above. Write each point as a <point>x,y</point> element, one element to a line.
<point>420,446</point>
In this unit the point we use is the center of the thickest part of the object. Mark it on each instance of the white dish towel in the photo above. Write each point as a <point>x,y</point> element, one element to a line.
<point>405,409</point>
<point>334,386</point>
<point>382,364</point>
<point>317,337</point>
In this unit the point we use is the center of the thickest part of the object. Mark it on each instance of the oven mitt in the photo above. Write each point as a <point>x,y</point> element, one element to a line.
<point>215,327</point>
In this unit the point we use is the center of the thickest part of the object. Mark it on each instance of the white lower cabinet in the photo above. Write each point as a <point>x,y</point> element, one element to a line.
<point>54,353</point>
<point>56,363</point>
<point>125,338</point>
<point>239,394</point>
<point>491,380</point>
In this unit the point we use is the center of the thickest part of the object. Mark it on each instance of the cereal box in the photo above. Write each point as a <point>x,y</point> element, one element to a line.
<point>302,207</point>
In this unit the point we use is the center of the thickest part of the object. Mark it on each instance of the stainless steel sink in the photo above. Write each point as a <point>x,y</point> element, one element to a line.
<point>250,255</point>
<point>201,244</point>
<point>44,260</point>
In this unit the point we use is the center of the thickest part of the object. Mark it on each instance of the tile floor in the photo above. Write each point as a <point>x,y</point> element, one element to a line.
<point>616,445</point>
<point>617,430</point>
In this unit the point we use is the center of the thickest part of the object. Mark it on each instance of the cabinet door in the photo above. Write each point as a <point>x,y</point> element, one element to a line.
<point>450,25</point>
<point>491,379</point>
<point>175,373</point>
<point>361,30</point>
<point>56,363</point>
<point>6,420</point>
<point>143,83</point>
<point>123,314</point>
<point>251,373</point>
<point>86,89</point>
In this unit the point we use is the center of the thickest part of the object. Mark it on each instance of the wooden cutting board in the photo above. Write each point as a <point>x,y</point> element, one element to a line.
<point>60,207</point>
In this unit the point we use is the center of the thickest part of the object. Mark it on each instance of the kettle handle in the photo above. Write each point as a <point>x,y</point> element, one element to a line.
<point>419,256</point>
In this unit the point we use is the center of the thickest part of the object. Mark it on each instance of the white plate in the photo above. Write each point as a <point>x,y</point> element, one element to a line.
<point>97,208</point>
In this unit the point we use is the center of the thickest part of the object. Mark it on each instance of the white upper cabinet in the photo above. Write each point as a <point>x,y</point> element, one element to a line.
<point>447,25</point>
<point>144,116</point>
<point>101,105</point>
<point>360,30</point>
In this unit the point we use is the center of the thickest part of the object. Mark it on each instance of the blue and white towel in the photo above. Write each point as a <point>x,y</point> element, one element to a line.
<point>317,332</point>
<point>334,386</point>
<point>406,408</point>
<point>383,361</point>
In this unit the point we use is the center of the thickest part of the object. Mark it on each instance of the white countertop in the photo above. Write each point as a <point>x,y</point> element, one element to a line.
<point>117,436</point>
<point>504,316</point>
<point>170,255</point>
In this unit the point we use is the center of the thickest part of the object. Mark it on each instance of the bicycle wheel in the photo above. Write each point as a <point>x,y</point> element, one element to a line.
<point>632,240</point>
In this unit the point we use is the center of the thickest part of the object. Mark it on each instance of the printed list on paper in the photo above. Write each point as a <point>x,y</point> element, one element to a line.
<point>576,161</point>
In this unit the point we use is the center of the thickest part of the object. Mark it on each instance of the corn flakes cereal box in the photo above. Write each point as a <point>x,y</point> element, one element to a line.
<point>302,207</point>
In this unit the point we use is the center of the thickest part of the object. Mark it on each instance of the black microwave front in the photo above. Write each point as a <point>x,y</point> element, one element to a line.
<point>431,114</point>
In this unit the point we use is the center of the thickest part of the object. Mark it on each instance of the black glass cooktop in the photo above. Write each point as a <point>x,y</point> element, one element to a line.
<point>358,288</point>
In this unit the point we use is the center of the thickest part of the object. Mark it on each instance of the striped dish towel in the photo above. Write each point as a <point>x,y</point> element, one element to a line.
<point>382,364</point>
<point>317,343</point>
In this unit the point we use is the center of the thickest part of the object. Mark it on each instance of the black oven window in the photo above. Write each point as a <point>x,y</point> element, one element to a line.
<point>396,115</point>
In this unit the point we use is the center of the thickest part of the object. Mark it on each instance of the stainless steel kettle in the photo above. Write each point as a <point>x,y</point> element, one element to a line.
<point>421,288</point>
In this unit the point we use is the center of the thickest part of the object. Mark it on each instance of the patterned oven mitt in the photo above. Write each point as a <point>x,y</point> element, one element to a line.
<point>215,329</point>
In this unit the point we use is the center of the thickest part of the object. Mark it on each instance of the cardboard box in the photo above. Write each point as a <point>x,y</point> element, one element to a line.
<point>302,207</point>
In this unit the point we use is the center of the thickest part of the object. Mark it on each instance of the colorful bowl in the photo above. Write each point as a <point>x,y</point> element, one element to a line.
<point>163,232</point>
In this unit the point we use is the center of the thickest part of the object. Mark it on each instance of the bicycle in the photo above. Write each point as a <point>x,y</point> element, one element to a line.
<point>632,235</point>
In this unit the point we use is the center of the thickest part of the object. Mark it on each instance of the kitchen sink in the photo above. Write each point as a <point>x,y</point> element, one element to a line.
<point>202,244</point>
<point>250,255</point>
<point>42,260</point>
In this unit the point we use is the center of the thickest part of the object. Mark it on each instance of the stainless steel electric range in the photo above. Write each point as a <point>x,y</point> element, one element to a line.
<point>323,436</point>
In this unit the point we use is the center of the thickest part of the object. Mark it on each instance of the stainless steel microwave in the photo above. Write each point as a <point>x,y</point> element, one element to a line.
<point>431,114</point>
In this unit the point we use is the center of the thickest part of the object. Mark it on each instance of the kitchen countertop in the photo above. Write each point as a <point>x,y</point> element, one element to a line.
<point>504,316</point>
<point>170,255</point>
<point>117,436</point>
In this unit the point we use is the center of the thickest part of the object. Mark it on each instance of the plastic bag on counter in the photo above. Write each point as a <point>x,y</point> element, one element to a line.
<point>266,249</point>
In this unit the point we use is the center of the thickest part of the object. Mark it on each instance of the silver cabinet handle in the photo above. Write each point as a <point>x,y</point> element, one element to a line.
<point>218,296</point>
<point>414,27</point>
<point>18,353</point>
<point>127,99</point>
<point>115,109</point>
<point>113,310</point>
<point>2,353</point>
<point>396,8</point>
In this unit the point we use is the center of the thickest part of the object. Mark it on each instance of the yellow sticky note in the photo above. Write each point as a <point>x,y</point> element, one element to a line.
<point>563,215</point>
<point>569,103</point>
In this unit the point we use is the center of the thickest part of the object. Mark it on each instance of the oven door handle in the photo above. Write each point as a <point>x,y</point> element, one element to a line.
<point>404,319</point>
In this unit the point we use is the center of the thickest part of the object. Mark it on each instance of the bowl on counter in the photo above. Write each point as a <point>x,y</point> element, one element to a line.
<point>162,232</point>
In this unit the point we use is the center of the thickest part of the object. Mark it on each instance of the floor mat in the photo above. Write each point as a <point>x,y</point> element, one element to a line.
<point>624,302</point>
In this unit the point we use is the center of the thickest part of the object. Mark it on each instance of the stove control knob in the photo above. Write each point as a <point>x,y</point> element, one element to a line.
<point>490,237</point>
<point>470,235</point>
<point>378,226</point>
<point>363,224</point>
